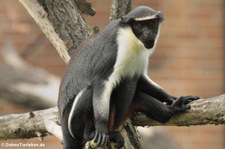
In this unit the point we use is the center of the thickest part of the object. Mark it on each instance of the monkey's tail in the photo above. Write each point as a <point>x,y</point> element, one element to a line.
<point>69,141</point>
<point>73,144</point>
<point>78,145</point>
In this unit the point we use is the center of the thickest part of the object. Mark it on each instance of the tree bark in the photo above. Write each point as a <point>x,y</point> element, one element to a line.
<point>28,125</point>
<point>85,7</point>
<point>119,8</point>
<point>61,22</point>
<point>33,124</point>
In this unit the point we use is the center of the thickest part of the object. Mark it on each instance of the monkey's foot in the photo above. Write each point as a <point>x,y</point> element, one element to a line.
<point>116,137</point>
<point>100,139</point>
<point>181,104</point>
<point>92,145</point>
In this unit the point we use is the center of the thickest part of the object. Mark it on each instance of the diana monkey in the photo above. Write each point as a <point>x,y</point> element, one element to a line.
<point>107,81</point>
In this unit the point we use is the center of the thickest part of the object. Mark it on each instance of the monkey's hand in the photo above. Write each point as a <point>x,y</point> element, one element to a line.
<point>181,104</point>
<point>174,97</point>
<point>116,137</point>
<point>101,137</point>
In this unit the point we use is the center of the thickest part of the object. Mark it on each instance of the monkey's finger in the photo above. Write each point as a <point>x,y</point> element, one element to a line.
<point>104,139</point>
<point>179,102</point>
<point>99,140</point>
<point>188,107</point>
<point>188,99</point>
<point>174,97</point>
<point>96,138</point>
<point>183,100</point>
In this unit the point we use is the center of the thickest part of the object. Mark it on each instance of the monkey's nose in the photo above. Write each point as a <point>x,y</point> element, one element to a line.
<point>149,34</point>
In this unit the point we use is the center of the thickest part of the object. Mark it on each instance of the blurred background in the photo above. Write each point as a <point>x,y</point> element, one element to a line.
<point>189,60</point>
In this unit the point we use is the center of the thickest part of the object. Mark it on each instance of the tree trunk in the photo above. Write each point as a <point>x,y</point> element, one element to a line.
<point>120,8</point>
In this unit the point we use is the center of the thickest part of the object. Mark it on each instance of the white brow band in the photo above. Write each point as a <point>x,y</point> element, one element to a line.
<point>145,18</point>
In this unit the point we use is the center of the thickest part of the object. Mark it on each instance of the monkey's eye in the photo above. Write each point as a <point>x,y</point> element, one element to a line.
<point>154,22</point>
<point>137,25</point>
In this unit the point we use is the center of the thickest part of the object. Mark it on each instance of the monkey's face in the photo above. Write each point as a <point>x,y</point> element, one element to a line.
<point>146,31</point>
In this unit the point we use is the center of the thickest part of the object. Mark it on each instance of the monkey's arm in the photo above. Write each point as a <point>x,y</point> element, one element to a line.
<point>146,85</point>
<point>101,106</point>
<point>158,111</point>
<point>102,89</point>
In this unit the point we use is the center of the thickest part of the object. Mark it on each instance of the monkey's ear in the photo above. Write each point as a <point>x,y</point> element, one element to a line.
<point>125,19</point>
<point>160,16</point>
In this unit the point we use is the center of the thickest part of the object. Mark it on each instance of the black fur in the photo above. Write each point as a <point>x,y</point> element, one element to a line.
<point>87,72</point>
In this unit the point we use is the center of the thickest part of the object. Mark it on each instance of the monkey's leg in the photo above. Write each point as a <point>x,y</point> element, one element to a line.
<point>157,110</point>
<point>101,107</point>
<point>121,100</point>
<point>75,122</point>
<point>118,115</point>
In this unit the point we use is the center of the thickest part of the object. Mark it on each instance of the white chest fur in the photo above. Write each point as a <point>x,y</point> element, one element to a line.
<point>132,60</point>
<point>132,56</point>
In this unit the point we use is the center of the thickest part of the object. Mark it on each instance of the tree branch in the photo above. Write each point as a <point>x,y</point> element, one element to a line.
<point>119,8</point>
<point>27,125</point>
<point>61,22</point>
<point>85,7</point>
<point>45,122</point>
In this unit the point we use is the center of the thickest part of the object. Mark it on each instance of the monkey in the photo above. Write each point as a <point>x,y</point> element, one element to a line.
<point>106,82</point>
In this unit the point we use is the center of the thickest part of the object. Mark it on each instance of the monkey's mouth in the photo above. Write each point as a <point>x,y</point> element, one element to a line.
<point>149,44</point>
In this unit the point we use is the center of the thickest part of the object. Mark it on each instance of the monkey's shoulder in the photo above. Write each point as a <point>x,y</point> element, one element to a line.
<point>97,55</point>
